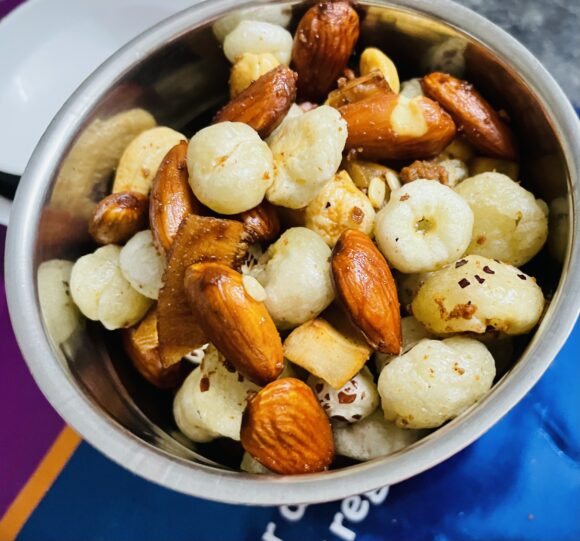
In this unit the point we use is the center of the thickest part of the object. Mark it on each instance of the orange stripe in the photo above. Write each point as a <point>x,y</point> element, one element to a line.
<point>37,486</point>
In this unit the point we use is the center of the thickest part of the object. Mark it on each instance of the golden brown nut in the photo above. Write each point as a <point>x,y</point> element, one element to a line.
<point>261,223</point>
<point>171,197</point>
<point>365,286</point>
<point>353,90</point>
<point>389,126</point>
<point>474,116</point>
<point>286,430</point>
<point>239,326</point>
<point>323,43</point>
<point>198,239</point>
<point>424,169</point>
<point>264,104</point>
<point>141,344</point>
<point>118,217</point>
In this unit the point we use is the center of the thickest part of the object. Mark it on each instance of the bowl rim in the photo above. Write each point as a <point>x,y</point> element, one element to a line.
<point>118,444</point>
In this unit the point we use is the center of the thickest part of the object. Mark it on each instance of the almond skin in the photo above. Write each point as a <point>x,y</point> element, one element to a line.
<point>365,286</point>
<point>141,344</point>
<point>286,430</point>
<point>261,223</point>
<point>372,133</point>
<point>118,217</point>
<point>323,43</point>
<point>264,104</point>
<point>239,326</point>
<point>353,90</point>
<point>171,197</point>
<point>474,116</point>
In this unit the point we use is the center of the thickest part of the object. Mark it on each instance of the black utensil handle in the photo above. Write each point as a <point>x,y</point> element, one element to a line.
<point>8,184</point>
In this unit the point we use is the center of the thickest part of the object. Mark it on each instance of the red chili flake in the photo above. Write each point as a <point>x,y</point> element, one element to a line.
<point>479,279</point>
<point>328,205</point>
<point>464,282</point>
<point>487,270</point>
<point>460,263</point>
<point>522,276</point>
<point>229,366</point>
<point>204,384</point>
<point>404,197</point>
<point>344,398</point>
<point>319,387</point>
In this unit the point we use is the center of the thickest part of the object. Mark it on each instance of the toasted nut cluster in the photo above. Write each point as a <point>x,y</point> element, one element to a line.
<point>142,265</point>
<point>427,170</point>
<point>435,381</point>
<point>339,205</point>
<point>510,224</point>
<point>354,401</point>
<point>118,217</point>
<point>307,152</point>
<point>371,438</point>
<point>373,59</point>
<point>285,429</point>
<point>249,68</point>
<point>212,400</point>
<point>230,167</point>
<point>258,37</point>
<point>475,294</point>
<point>295,273</point>
<point>102,293</point>
<point>424,226</point>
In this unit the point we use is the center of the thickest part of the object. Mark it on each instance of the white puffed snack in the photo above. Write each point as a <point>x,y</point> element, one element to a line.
<point>354,401</point>
<point>141,159</point>
<point>457,171</point>
<point>435,381</point>
<point>249,68</point>
<point>142,265</point>
<point>413,332</point>
<point>230,167</point>
<point>102,293</point>
<point>218,395</point>
<point>411,89</point>
<point>294,111</point>
<point>409,284</point>
<point>372,437</point>
<point>250,465</point>
<point>424,226</point>
<point>275,14</point>
<point>509,223</point>
<point>339,206</point>
<point>295,272</point>
<point>477,293</point>
<point>61,316</point>
<point>307,152</point>
<point>259,37</point>
<point>187,417</point>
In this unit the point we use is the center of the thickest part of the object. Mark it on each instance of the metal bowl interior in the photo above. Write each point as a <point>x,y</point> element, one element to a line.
<point>178,72</point>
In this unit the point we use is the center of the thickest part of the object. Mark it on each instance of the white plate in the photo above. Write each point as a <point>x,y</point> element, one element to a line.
<point>47,48</point>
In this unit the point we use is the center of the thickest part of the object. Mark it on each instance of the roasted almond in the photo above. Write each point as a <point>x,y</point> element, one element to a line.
<point>264,104</point>
<point>365,286</point>
<point>474,116</point>
<point>361,88</point>
<point>118,217</point>
<point>390,126</point>
<point>286,430</point>
<point>261,223</point>
<point>142,345</point>
<point>323,43</point>
<point>198,239</point>
<point>239,326</point>
<point>171,197</point>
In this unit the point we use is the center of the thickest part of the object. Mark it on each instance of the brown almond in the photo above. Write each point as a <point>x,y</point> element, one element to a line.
<point>239,326</point>
<point>323,44</point>
<point>388,126</point>
<point>474,116</point>
<point>264,104</point>
<point>118,217</point>
<point>261,223</point>
<point>286,430</point>
<point>198,239</point>
<point>365,286</point>
<point>361,88</point>
<point>142,345</point>
<point>171,197</point>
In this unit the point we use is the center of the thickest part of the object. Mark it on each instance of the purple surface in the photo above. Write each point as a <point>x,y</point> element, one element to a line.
<point>29,424</point>
<point>8,5</point>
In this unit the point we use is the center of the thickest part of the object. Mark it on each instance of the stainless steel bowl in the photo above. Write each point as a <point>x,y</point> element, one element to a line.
<point>177,71</point>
